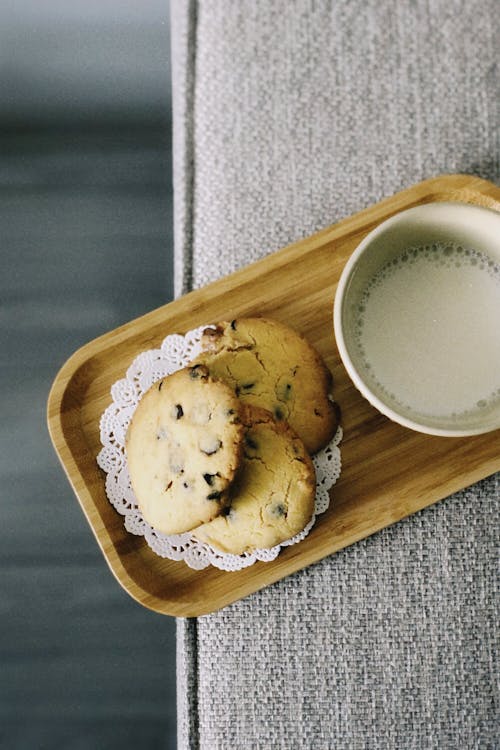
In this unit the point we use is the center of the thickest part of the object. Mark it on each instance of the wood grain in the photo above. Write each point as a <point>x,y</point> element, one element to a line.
<point>388,471</point>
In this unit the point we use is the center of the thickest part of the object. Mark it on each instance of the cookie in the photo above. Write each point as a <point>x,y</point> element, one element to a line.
<point>272,366</point>
<point>183,447</point>
<point>272,496</point>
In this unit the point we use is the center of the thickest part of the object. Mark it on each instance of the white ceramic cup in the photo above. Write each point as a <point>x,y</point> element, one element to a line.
<point>417,318</point>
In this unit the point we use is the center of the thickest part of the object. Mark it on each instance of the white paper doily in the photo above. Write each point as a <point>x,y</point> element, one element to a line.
<point>176,352</point>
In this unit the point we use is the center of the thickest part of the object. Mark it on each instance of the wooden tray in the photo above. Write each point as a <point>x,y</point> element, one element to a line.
<point>388,471</point>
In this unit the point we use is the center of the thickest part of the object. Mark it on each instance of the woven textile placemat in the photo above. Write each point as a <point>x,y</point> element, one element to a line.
<point>287,118</point>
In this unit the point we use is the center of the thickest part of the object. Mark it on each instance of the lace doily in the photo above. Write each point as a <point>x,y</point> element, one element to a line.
<point>175,353</point>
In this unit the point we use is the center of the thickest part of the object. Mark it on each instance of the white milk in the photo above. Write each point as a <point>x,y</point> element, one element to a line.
<point>429,330</point>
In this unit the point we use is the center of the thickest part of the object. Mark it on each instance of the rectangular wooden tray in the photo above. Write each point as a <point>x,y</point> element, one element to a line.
<point>388,472</point>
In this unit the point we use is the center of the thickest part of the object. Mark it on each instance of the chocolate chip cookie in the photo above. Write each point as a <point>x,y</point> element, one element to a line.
<point>272,366</point>
<point>183,446</point>
<point>272,496</point>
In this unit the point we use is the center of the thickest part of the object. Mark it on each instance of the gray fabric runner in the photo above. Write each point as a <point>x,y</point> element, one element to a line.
<point>289,116</point>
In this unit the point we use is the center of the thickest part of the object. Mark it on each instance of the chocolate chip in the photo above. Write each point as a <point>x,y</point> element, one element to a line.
<point>251,442</point>
<point>209,479</point>
<point>209,445</point>
<point>168,486</point>
<point>318,413</point>
<point>247,386</point>
<point>284,391</point>
<point>278,413</point>
<point>233,325</point>
<point>298,453</point>
<point>179,411</point>
<point>214,496</point>
<point>160,385</point>
<point>196,371</point>
<point>279,510</point>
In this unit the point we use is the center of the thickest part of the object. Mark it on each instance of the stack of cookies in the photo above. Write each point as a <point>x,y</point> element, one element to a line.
<point>222,448</point>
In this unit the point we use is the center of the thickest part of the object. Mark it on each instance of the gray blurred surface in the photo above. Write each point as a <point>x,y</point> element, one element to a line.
<point>86,245</point>
<point>92,60</point>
